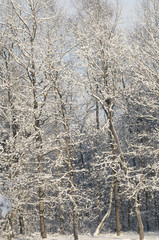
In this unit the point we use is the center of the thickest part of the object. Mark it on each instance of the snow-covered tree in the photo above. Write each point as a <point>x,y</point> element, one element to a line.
<point>102,55</point>
<point>142,118</point>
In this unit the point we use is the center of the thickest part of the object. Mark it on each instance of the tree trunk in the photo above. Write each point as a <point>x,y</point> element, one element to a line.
<point>146,205</point>
<point>123,165</point>
<point>32,78</point>
<point>70,170</point>
<point>115,186</point>
<point>106,216</point>
<point>61,217</point>
<point>21,225</point>
<point>129,225</point>
<point>73,201</point>
<point>97,111</point>
<point>138,215</point>
<point>41,211</point>
<point>122,211</point>
<point>10,227</point>
<point>41,189</point>
<point>117,208</point>
<point>75,217</point>
<point>96,174</point>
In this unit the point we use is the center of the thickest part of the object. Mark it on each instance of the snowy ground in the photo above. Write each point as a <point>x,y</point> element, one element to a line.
<point>109,236</point>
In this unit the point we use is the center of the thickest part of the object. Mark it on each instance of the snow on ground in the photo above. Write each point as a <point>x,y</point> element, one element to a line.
<point>109,236</point>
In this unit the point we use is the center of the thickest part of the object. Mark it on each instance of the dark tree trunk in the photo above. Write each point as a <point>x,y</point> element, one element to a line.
<point>129,210</point>
<point>117,208</point>
<point>122,211</point>
<point>21,225</point>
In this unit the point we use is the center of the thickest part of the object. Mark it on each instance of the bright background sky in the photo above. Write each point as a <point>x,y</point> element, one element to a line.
<point>128,9</point>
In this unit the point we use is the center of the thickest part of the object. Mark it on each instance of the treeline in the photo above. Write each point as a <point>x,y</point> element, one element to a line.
<point>79,114</point>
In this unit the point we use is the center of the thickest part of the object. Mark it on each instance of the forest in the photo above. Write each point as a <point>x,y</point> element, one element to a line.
<point>79,118</point>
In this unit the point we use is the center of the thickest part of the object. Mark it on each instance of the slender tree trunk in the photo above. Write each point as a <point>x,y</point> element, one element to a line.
<point>41,210</point>
<point>115,187</point>
<point>10,227</point>
<point>138,215</point>
<point>39,145</point>
<point>75,217</point>
<point>122,211</point>
<point>96,174</point>
<point>117,207</point>
<point>41,202</point>
<point>21,225</point>
<point>106,216</point>
<point>129,207</point>
<point>41,189</point>
<point>70,170</point>
<point>97,111</point>
<point>11,150</point>
<point>123,165</point>
<point>146,206</point>
<point>74,205</point>
<point>61,217</point>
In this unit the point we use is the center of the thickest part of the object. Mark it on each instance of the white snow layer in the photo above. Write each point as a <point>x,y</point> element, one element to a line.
<point>5,206</point>
<point>109,236</point>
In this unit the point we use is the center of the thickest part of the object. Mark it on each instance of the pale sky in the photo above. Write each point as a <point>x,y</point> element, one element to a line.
<point>128,9</point>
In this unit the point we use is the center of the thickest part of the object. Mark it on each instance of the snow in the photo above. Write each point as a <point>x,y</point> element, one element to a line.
<point>109,236</point>
<point>5,206</point>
